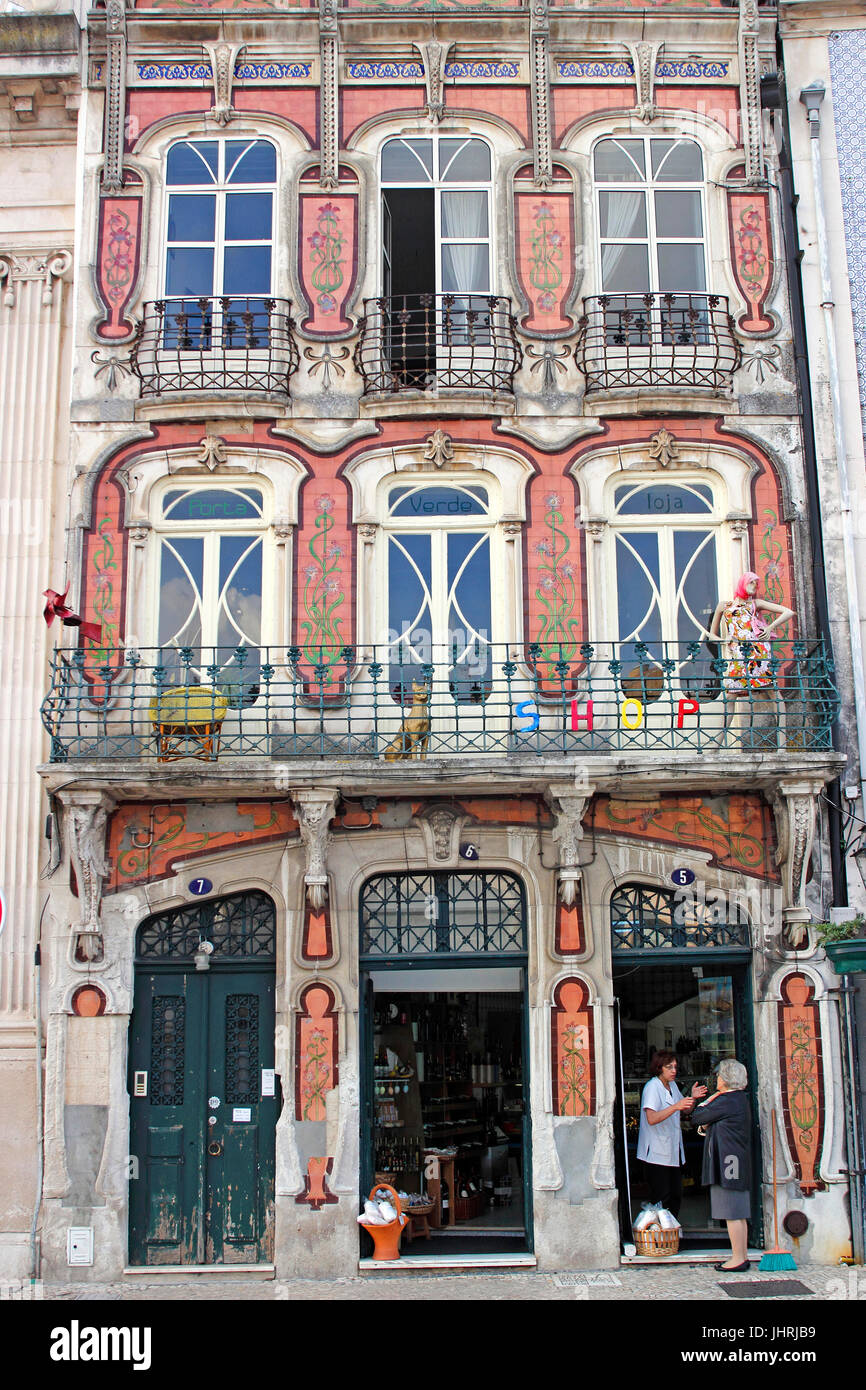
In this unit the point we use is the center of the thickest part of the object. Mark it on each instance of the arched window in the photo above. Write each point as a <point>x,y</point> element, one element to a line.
<point>666,561</point>
<point>439,578</point>
<point>644,918</point>
<point>650,214</point>
<point>439,319</point>
<point>219,234</point>
<point>213,573</point>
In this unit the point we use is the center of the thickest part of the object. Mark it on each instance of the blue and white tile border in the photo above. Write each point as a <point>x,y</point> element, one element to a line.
<point>617,69</point>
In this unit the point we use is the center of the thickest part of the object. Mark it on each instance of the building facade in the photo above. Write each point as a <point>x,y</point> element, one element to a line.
<point>432,391</point>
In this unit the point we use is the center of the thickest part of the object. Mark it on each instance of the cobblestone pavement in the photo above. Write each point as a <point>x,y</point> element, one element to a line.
<point>672,1283</point>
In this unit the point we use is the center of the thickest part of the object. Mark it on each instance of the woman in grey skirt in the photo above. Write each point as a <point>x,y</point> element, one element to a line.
<point>725,1120</point>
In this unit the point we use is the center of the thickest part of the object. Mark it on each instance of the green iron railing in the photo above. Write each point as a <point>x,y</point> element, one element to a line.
<point>410,704</point>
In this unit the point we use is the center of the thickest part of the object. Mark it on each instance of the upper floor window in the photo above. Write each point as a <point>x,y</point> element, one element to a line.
<point>213,578</point>
<point>650,215</point>
<point>436,216</point>
<point>220,218</point>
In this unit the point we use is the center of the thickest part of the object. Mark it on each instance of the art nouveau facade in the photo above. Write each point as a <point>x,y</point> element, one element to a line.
<point>428,393</point>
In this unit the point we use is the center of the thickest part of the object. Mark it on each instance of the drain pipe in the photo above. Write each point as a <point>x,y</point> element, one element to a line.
<point>811,97</point>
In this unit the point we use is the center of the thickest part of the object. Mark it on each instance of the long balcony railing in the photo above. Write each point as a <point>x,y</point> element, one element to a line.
<point>232,343</point>
<point>657,340</point>
<point>421,342</point>
<point>466,699</point>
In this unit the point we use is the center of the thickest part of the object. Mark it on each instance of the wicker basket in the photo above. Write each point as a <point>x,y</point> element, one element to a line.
<point>655,1241</point>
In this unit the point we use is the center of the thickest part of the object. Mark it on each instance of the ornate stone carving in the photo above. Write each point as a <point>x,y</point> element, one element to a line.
<point>644,57</point>
<point>539,32</point>
<point>223,57</point>
<point>750,89</point>
<point>86,822</point>
<point>211,451</point>
<point>663,448</point>
<point>550,360</point>
<point>438,449</point>
<point>329,44</point>
<point>315,809</point>
<point>115,95</point>
<point>569,807</point>
<point>441,827</point>
<point>794,807</point>
<point>46,266</point>
<point>434,54</point>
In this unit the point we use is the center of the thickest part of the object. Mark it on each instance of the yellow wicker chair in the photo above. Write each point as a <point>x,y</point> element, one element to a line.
<point>188,714</point>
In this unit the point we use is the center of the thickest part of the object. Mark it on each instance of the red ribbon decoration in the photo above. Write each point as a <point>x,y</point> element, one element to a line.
<point>56,607</point>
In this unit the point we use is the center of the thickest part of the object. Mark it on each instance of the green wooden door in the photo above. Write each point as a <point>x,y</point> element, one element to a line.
<point>203,1095</point>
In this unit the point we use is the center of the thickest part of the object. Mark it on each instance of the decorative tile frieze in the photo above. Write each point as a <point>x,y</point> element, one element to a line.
<point>413,70</point>
<point>200,71</point>
<point>673,69</point>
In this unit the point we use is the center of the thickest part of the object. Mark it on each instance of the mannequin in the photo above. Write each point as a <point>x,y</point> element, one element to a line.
<point>744,633</point>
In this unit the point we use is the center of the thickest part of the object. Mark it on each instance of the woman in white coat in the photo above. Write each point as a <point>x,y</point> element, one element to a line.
<point>660,1140</point>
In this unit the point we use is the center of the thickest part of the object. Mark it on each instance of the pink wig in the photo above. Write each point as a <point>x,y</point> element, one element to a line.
<point>740,591</point>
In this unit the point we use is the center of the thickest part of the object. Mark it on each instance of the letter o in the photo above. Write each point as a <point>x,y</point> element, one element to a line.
<point>629,720</point>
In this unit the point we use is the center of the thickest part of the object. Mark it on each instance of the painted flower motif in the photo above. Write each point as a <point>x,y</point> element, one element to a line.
<point>555,238</point>
<point>547,583</point>
<point>311,571</point>
<point>334,551</point>
<point>315,240</point>
<point>546,302</point>
<point>543,210</point>
<point>327,304</point>
<point>553,501</point>
<point>543,548</point>
<point>567,569</point>
<point>326,503</point>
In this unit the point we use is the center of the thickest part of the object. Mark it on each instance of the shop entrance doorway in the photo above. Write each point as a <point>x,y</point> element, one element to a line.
<point>676,991</point>
<point>445,1114</point>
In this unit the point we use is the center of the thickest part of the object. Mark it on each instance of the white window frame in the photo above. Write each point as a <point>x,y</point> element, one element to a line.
<point>219,189</point>
<point>164,528</point>
<point>664,527</point>
<point>648,186</point>
<point>439,187</point>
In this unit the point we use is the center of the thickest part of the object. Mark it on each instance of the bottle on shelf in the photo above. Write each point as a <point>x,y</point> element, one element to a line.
<point>446,1205</point>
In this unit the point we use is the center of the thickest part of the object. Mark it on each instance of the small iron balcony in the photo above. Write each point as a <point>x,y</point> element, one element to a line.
<point>657,340</point>
<point>421,342</point>
<point>234,343</point>
<point>471,697</point>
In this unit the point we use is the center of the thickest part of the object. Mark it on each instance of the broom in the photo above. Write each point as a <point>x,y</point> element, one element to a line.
<point>777,1258</point>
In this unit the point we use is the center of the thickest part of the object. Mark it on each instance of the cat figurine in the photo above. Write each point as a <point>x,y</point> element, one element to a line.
<point>414,734</point>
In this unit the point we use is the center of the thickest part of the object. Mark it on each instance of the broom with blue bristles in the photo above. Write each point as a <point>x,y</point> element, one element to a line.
<point>777,1258</point>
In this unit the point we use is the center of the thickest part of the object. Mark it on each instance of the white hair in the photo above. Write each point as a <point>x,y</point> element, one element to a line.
<point>734,1074</point>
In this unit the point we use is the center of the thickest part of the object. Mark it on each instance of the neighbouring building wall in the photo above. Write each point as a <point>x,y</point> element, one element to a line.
<point>38,130</point>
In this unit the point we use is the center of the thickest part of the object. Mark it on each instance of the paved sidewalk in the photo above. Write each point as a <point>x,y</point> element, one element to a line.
<point>673,1283</point>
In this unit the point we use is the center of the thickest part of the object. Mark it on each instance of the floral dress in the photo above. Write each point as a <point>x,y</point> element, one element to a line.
<point>748,658</point>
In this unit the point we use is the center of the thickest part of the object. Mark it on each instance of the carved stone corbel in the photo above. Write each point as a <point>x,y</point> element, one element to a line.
<point>794,809</point>
<point>644,57</point>
<point>223,57</point>
<point>329,86</point>
<point>569,807</point>
<point>539,34</point>
<point>47,266</point>
<point>438,449</point>
<point>441,827</point>
<point>314,808</point>
<point>434,53</point>
<point>86,821</point>
<point>750,89</point>
<point>115,94</point>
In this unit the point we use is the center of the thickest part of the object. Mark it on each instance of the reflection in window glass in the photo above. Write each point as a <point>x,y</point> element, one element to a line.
<point>251,163</point>
<point>619,161</point>
<point>192,163</point>
<point>677,161</point>
<point>407,161</point>
<point>464,161</point>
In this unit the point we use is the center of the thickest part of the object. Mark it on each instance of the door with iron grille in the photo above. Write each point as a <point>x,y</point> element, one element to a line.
<point>203,1093</point>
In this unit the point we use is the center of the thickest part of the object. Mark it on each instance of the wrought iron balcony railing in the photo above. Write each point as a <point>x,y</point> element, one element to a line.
<point>233,343</point>
<point>419,342</point>
<point>657,340</point>
<point>466,699</point>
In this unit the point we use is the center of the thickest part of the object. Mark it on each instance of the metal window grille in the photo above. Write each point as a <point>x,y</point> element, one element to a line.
<point>243,925</point>
<point>643,918</point>
<point>438,914</point>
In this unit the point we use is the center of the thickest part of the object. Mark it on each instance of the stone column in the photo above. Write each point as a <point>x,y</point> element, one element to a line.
<point>794,807</point>
<point>569,803</point>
